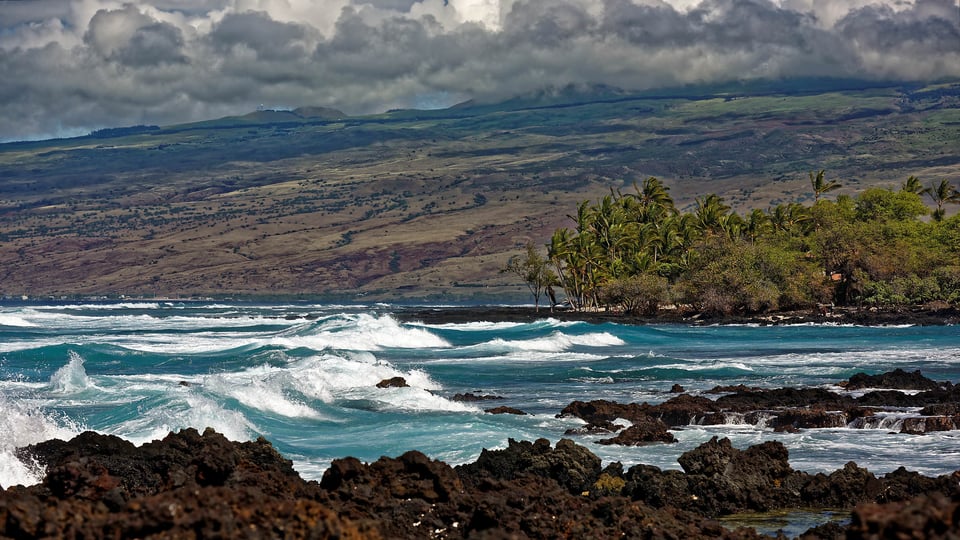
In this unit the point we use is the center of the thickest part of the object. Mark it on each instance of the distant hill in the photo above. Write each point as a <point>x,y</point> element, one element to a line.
<point>430,204</point>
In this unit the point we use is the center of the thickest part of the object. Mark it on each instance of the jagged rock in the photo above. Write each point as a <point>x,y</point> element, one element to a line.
<point>601,428</point>
<point>570,464</point>
<point>677,389</point>
<point>785,398</point>
<point>808,418</point>
<point>602,410</point>
<point>926,424</point>
<point>941,409</point>
<point>931,517</point>
<point>187,484</point>
<point>393,382</point>
<point>190,485</point>
<point>644,431</point>
<point>897,379</point>
<point>686,409</point>
<point>504,410</point>
<point>721,389</point>
<point>471,397</point>
<point>842,488</point>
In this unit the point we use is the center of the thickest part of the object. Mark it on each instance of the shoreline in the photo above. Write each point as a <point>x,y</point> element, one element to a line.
<point>192,484</point>
<point>917,315</point>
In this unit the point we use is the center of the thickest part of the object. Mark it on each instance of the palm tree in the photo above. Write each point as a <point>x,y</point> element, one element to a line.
<point>709,213</point>
<point>786,218</point>
<point>653,196</point>
<point>820,186</point>
<point>944,193</point>
<point>756,224</point>
<point>912,185</point>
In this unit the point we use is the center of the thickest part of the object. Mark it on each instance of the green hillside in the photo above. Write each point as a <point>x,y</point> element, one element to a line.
<point>416,204</point>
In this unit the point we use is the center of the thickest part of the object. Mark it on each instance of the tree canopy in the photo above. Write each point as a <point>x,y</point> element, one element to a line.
<point>637,251</point>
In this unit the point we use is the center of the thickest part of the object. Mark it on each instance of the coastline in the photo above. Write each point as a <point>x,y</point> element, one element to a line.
<point>915,315</point>
<point>191,485</point>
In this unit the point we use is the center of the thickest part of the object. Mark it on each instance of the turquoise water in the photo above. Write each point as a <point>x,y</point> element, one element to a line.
<point>304,377</point>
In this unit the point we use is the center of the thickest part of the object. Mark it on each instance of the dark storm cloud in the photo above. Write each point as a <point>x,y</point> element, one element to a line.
<point>929,26</point>
<point>256,31</point>
<point>68,67</point>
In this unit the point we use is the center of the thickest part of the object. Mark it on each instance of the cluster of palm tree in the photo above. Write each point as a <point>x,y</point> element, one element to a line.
<point>942,193</point>
<point>637,251</point>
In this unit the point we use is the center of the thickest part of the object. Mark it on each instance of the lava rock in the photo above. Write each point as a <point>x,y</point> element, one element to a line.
<point>393,382</point>
<point>643,432</point>
<point>504,410</point>
<point>897,379</point>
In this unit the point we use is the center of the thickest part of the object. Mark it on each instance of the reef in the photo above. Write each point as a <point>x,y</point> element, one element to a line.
<point>882,404</point>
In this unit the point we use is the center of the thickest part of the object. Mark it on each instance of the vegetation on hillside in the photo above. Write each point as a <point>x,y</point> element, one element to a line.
<point>637,251</point>
<point>428,205</point>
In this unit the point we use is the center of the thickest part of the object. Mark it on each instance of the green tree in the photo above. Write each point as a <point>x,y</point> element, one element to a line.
<point>886,204</point>
<point>532,268</point>
<point>943,193</point>
<point>821,186</point>
<point>641,294</point>
<point>912,184</point>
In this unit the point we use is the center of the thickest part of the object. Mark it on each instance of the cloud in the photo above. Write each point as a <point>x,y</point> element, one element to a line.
<point>72,66</point>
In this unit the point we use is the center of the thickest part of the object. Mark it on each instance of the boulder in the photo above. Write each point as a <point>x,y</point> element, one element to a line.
<point>643,432</point>
<point>393,382</point>
<point>600,428</point>
<point>570,464</point>
<point>602,410</point>
<point>897,379</point>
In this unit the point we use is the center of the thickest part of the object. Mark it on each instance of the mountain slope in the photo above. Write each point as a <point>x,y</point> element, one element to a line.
<point>411,204</point>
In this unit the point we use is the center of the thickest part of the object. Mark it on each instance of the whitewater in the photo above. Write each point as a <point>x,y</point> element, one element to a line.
<point>304,376</point>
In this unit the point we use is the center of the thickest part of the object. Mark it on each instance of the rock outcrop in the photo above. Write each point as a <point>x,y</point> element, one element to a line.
<point>192,485</point>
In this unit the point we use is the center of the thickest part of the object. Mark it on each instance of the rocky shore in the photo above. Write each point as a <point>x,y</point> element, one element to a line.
<point>192,485</point>
<point>916,315</point>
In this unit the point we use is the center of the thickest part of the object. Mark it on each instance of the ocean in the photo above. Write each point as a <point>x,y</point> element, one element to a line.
<point>304,376</point>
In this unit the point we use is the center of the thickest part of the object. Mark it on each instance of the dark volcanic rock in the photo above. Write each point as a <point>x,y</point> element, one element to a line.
<point>570,464</point>
<point>602,410</point>
<point>686,409</point>
<point>785,397</point>
<point>931,517</point>
<point>471,397</point>
<point>926,424</point>
<point>190,485</point>
<point>187,484</point>
<point>790,419</point>
<point>897,379</point>
<point>504,410</point>
<point>644,431</point>
<point>787,409</point>
<point>601,428</point>
<point>393,382</point>
<point>677,389</point>
<point>720,479</point>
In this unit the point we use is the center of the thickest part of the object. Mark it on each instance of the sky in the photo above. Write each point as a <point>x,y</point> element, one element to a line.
<point>71,66</point>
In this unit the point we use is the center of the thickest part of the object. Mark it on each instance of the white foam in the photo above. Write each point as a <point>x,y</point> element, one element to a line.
<point>71,378</point>
<point>23,424</point>
<point>192,410</point>
<point>478,326</point>
<point>260,388</point>
<point>353,378</point>
<point>14,320</point>
<point>555,342</point>
<point>362,332</point>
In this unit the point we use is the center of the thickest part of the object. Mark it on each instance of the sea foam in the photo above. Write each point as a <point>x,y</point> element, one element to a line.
<point>22,424</point>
